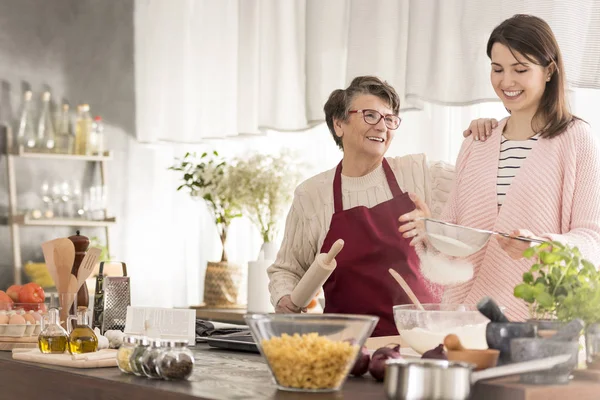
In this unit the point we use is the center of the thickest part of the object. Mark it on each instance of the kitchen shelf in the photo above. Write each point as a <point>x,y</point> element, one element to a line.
<point>26,220</point>
<point>16,220</point>
<point>20,152</point>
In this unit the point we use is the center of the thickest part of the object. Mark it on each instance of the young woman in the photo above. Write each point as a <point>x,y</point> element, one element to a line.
<point>537,175</point>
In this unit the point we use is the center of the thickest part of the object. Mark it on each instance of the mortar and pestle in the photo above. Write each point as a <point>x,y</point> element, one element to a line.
<point>500,331</point>
<point>565,341</point>
<point>482,359</point>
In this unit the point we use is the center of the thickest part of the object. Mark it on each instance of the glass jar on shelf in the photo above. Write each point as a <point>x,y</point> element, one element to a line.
<point>149,359</point>
<point>176,361</point>
<point>135,362</point>
<point>125,352</point>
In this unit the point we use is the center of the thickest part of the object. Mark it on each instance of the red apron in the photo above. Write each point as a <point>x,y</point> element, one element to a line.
<point>361,283</point>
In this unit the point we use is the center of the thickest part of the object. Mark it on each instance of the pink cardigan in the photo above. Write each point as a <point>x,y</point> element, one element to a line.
<point>555,195</point>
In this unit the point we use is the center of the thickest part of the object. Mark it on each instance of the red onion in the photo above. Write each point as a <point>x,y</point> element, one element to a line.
<point>436,354</point>
<point>377,364</point>
<point>361,366</point>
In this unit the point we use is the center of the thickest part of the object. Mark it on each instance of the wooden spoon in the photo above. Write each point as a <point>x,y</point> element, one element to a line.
<point>64,256</point>
<point>48,250</point>
<point>406,288</point>
<point>87,265</point>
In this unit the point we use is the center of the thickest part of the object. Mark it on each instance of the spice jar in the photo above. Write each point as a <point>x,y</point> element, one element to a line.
<point>135,362</point>
<point>176,361</point>
<point>149,359</point>
<point>125,352</point>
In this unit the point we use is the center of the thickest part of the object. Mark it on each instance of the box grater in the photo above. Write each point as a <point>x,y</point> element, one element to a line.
<point>112,296</point>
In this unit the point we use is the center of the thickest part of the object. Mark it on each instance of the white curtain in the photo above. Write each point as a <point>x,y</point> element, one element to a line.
<point>210,72</point>
<point>214,69</point>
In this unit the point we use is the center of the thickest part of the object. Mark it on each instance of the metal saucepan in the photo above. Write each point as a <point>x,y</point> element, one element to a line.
<point>446,380</point>
<point>461,241</point>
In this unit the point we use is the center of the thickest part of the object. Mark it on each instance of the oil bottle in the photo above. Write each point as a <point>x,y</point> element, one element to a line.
<point>82,338</point>
<point>53,339</point>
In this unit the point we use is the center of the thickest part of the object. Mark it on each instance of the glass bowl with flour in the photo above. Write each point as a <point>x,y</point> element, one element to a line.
<point>425,329</point>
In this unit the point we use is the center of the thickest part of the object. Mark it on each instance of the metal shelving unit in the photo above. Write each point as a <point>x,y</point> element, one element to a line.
<point>17,220</point>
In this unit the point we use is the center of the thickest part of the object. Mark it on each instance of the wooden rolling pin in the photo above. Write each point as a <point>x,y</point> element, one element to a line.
<point>315,277</point>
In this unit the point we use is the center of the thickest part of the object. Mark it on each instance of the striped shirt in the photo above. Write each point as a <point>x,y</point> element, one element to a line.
<point>512,156</point>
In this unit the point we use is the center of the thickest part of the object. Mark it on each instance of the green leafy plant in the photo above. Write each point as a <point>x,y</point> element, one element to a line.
<point>265,187</point>
<point>208,177</point>
<point>96,242</point>
<point>560,284</point>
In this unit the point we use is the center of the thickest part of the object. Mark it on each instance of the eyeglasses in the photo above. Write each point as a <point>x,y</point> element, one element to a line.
<point>372,117</point>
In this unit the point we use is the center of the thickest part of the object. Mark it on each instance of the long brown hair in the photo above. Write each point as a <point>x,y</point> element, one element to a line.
<point>532,37</point>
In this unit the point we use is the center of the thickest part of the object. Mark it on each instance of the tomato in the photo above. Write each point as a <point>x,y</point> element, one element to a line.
<point>5,301</point>
<point>13,292</point>
<point>32,293</point>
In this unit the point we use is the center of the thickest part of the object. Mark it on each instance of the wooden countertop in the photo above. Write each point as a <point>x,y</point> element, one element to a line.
<point>221,374</point>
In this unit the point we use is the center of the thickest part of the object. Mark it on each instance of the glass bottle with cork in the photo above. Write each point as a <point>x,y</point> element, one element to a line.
<point>82,338</point>
<point>64,132</point>
<point>45,127</point>
<point>53,338</point>
<point>83,128</point>
<point>26,126</point>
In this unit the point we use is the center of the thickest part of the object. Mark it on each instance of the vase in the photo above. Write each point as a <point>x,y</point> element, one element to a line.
<point>269,250</point>
<point>259,298</point>
<point>222,283</point>
<point>592,346</point>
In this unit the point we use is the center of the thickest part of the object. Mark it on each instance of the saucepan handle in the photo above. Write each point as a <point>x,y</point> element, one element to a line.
<point>519,368</point>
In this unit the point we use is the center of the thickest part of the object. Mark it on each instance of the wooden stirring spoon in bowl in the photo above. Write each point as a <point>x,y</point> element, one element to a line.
<point>406,288</point>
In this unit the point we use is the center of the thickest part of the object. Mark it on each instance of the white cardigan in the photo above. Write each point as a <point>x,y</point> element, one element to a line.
<point>309,218</point>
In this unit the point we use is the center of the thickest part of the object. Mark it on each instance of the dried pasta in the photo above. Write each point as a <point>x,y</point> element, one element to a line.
<point>309,361</point>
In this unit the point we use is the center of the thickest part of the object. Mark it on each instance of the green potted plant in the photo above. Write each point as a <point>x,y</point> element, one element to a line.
<point>558,273</point>
<point>207,177</point>
<point>264,187</point>
<point>561,286</point>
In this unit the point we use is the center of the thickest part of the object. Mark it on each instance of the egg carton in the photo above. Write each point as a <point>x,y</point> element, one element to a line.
<point>20,330</point>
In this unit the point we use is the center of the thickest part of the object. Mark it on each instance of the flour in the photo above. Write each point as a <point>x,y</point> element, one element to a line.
<point>442,271</point>
<point>421,340</point>
<point>452,247</point>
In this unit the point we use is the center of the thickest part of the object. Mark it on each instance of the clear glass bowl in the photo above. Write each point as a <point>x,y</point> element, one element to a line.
<point>425,329</point>
<point>310,352</point>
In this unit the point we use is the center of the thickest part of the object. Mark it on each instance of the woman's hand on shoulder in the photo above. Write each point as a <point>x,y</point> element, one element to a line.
<point>481,128</point>
<point>411,224</point>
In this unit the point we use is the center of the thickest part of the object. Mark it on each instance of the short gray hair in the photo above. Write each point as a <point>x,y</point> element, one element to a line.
<point>338,104</point>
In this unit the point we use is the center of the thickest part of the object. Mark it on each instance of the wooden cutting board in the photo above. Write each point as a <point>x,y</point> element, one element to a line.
<point>9,343</point>
<point>510,388</point>
<point>589,374</point>
<point>100,359</point>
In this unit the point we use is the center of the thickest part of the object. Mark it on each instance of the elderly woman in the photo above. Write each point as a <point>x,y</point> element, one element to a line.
<point>358,201</point>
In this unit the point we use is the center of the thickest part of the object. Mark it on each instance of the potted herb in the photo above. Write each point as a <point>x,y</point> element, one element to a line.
<point>207,177</point>
<point>561,286</point>
<point>264,187</point>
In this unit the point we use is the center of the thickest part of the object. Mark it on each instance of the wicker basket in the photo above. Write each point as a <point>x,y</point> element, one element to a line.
<point>222,284</point>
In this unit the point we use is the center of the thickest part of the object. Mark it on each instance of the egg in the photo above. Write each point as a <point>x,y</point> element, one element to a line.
<point>36,316</point>
<point>3,319</point>
<point>16,319</point>
<point>29,318</point>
